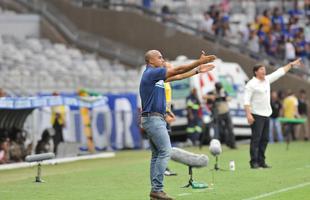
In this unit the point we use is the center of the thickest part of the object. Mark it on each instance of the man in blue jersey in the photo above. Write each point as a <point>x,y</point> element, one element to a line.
<point>152,93</point>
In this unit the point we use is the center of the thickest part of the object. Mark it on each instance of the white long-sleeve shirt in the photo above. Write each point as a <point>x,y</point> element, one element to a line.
<point>257,93</point>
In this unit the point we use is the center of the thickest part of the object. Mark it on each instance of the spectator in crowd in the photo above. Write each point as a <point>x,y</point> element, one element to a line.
<point>2,93</point>
<point>256,24</point>
<point>206,24</point>
<point>58,122</point>
<point>167,15</point>
<point>280,40</point>
<point>290,54</point>
<point>193,118</point>
<point>262,36</point>
<point>277,18</point>
<point>281,96</point>
<point>147,4</point>
<point>296,12</point>
<point>225,6</point>
<point>290,111</point>
<point>245,32</point>
<point>4,150</point>
<point>265,21</point>
<point>271,45</point>
<point>303,129</point>
<point>220,25</point>
<point>17,147</point>
<point>294,26</point>
<point>44,145</point>
<point>58,127</point>
<point>276,107</point>
<point>253,42</point>
<point>307,32</point>
<point>302,48</point>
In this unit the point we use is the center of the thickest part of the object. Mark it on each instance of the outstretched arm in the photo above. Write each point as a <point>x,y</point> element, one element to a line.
<point>283,70</point>
<point>188,67</point>
<point>200,69</point>
<point>291,64</point>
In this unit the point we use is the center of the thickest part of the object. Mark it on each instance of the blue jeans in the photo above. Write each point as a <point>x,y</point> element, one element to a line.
<point>156,130</point>
<point>275,123</point>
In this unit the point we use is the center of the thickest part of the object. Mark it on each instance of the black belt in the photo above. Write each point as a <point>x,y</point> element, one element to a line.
<point>149,114</point>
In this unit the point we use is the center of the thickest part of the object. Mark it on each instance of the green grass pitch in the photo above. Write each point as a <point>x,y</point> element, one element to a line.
<point>126,177</point>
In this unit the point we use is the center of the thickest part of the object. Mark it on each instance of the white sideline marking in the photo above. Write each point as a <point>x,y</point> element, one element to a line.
<point>184,194</point>
<point>305,167</point>
<point>279,191</point>
<point>57,161</point>
<point>195,191</point>
<point>202,190</point>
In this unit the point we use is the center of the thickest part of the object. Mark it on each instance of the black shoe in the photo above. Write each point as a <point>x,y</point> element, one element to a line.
<point>265,166</point>
<point>255,166</point>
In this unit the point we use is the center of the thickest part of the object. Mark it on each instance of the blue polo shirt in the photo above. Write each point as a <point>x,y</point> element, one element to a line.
<point>152,91</point>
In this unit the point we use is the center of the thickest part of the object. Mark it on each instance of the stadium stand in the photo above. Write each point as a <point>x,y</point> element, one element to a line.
<point>236,23</point>
<point>38,65</point>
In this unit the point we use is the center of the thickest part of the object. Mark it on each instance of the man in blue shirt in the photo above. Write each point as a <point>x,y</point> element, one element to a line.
<point>152,93</point>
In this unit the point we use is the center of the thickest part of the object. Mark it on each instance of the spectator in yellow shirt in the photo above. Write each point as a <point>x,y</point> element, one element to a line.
<point>290,106</point>
<point>290,110</point>
<point>265,21</point>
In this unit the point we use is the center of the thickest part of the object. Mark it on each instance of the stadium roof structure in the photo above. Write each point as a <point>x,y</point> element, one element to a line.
<point>14,111</point>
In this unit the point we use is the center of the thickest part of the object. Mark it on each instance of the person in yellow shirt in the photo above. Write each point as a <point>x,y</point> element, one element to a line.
<point>290,111</point>
<point>86,122</point>
<point>265,21</point>
<point>170,117</point>
<point>290,106</point>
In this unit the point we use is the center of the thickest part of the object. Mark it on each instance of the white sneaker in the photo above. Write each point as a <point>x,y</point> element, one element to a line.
<point>170,173</point>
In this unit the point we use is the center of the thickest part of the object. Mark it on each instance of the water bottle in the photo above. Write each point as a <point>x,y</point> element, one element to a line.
<point>232,166</point>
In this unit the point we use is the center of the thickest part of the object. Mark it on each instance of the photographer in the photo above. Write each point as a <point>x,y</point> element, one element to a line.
<point>221,116</point>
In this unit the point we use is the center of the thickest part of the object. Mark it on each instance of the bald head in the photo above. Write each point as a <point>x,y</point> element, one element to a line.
<point>149,54</point>
<point>154,58</point>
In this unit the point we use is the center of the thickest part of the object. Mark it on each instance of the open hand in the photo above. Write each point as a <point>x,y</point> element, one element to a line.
<point>296,62</point>
<point>204,58</point>
<point>206,67</point>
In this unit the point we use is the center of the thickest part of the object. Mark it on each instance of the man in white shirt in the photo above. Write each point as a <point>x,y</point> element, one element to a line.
<point>206,24</point>
<point>258,109</point>
<point>290,52</point>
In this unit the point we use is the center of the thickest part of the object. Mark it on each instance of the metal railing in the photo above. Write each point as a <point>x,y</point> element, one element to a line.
<point>261,56</point>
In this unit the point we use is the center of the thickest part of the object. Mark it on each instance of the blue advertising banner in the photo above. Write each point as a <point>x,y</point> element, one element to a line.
<point>111,119</point>
<point>115,124</point>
